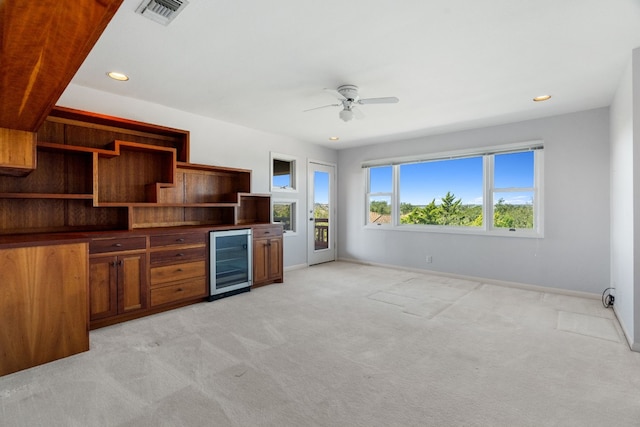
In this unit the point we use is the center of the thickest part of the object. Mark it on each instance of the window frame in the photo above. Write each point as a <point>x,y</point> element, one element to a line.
<point>293,203</point>
<point>488,154</point>
<point>369,195</point>
<point>293,188</point>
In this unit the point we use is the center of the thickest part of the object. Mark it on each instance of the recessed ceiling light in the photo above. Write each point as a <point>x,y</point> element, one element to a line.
<point>333,138</point>
<point>118,76</point>
<point>542,98</point>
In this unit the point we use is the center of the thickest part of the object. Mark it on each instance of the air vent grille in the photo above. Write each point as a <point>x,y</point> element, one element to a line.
<point>162,11</point>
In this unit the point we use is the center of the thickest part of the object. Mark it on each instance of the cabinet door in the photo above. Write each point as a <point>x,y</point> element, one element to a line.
<point>43,305</point>
<point>103,284</point>
<point>132,289</point>
<point>260,261</point>
<point>275,259</point>
<point>17,152</point>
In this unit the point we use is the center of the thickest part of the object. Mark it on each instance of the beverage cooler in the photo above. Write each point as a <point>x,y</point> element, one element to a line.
<point>231,262</point>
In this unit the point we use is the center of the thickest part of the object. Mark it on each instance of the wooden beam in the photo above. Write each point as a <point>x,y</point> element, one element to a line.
<point>42,45</point>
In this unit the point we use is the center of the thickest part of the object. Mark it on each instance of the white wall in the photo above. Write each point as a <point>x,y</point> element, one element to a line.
<point>574,253</point>
<point>214,142</point>
<point>622,211</point>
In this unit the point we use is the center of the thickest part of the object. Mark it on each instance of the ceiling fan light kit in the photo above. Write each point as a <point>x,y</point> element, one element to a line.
<point>346,115</point>
<point>350,99</point>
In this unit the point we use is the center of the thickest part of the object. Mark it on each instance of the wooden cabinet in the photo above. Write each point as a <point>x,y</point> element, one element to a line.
<point>117,284</point>
<point>267,255</point>
<point>178,267</point>
<point>17,152</point>
<point>43,304</point>
<point>117,276</point>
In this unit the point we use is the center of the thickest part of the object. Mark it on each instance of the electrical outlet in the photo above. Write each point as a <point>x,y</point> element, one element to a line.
<point>429,259</point>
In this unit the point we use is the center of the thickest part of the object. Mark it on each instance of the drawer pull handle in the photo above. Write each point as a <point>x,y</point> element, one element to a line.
<point>179,269</point>
<point>267,232</point>
<point>181,254</point>
<point>180,240</point>
<point>117,245</point>
<point>180,289</point>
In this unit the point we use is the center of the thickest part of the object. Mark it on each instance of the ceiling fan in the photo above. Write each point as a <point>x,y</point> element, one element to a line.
<point>349,100</point>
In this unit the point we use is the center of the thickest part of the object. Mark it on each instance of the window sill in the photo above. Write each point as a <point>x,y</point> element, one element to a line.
<point>518,233</point>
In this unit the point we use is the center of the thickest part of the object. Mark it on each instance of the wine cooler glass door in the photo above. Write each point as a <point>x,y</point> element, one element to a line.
<point>231,263</point>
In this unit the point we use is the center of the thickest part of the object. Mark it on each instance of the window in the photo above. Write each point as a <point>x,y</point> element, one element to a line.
<point>456,192</point>
<point>284,212</point>
<point>379,195</point>
<point>283,173</point>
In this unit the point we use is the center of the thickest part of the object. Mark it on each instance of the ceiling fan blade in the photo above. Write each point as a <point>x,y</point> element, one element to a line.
<point>324,106</point>
<point>335,93</point>
<point>387,100</point>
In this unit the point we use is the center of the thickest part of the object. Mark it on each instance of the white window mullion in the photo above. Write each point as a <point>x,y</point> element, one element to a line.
<point>487,198</point>
<point>395,199</point>
<point>538,198</point>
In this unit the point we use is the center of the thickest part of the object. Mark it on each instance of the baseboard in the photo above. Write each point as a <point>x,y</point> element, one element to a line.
<point>632,345</point>
<point>295,267</point>
<point>523,286</point>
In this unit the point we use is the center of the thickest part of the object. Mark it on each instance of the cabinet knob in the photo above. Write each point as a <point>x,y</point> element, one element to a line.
<point>179,269</point>
<point>117,245</point>
<point>179,290</point>
<point>180,254</point>
<point>112,263</point>
<point>180,240</point>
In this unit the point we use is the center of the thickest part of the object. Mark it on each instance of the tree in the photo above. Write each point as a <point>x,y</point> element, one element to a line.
<point>380,207</point>
<point>424,215</point>
<point>450,210</point>
<point>405,208</point>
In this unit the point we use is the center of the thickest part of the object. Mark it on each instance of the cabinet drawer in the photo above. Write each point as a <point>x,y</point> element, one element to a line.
<point>98,246</point>
<point>178,255</point>
<point>173,273</point>
<point>178,239</point>
<point>179,291</point>
<point>267,232</point>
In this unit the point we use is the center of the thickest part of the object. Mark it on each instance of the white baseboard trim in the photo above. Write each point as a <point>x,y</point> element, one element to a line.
<point>632,345</point>
<point>504,283</point>
<point>295,267</point>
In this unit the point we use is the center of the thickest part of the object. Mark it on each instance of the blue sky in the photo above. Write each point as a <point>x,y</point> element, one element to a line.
<point>422,182</point>
<point>321,185</point>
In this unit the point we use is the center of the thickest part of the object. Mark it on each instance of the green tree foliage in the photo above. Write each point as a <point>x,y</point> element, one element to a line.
<point>506,215</point>
<point>380,207</point>
<point>282,214</point>
<point>321,210</point>
<point>405,208</point>
<point>451,212</point>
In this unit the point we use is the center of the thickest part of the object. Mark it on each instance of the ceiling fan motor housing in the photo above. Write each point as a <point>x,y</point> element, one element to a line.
<point>349,91</point>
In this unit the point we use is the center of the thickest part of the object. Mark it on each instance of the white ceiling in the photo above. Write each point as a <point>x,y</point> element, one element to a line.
<point>454,64</point>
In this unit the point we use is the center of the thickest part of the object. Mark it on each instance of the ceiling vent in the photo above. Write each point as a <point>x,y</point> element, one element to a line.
<point>162,11</point>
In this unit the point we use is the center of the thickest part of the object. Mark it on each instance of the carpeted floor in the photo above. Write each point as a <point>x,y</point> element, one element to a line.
<point>343,344</point>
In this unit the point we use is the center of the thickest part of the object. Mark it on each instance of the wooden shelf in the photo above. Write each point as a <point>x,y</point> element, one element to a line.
<point>64,196</point>
<point>99,172</point>
<point>165,205</point>
<point>52,146</point>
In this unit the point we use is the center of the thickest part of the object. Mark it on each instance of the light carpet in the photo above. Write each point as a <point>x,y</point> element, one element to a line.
<point>344,344</point>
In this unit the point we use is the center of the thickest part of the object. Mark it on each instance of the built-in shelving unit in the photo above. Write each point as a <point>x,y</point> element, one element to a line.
<point>97,172</point>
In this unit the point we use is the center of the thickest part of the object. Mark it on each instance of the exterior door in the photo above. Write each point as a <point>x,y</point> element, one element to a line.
<point>321,211</point>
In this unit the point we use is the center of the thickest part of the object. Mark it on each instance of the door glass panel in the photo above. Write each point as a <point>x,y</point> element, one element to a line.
<point>321,209</point>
